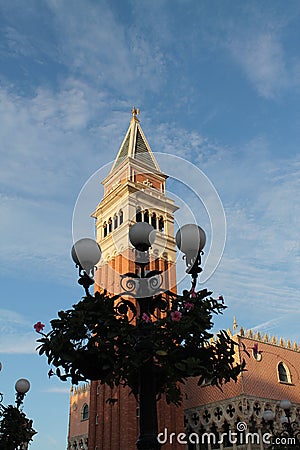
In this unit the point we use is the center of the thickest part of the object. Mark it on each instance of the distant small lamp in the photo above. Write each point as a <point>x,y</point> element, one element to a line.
<point>283,419</point>
<point>268,415</point>
<point>289,428</point>
<point>22,386</point>
<point>190,240</point>
<point>285,404</point>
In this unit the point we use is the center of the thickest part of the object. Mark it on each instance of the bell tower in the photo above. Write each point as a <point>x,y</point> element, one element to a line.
<point>134,191</point>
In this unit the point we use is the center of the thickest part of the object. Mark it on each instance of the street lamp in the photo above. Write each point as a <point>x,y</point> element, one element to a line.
<point>145,288</point>
<point>22,386</point>
<point>190,240</point>
<point>290,428</point>
<point>86,253</point>
<point>15,428</point>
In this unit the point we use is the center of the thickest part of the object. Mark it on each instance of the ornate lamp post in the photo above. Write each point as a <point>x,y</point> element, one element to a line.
<point>190,240</point>
<point>86,253</point>
<point>22,386</point>
<point>141,236</point>
<point>15,428</point>
<point>144,287</point>
<point>290,432</point>
<point>146,338</point>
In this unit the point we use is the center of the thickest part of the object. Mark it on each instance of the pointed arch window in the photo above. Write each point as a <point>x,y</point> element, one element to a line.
<point>138,215</point>
<point>85,412</point>
<point>104,229</point>
<point>146,216</point>
<point>153,220</point>
<point>115,222</point>
<point>161,225</point>
<point>109,225</point>
<point>284,375</point>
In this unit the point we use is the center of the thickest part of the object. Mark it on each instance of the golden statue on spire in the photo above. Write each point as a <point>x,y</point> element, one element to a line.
<point>135,111</point>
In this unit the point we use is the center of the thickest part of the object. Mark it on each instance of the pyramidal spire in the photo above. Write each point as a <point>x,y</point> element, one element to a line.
<point>135,145</point>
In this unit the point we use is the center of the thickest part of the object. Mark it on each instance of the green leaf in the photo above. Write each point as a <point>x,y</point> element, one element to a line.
<point>161,353</point>
<point>180,366</point>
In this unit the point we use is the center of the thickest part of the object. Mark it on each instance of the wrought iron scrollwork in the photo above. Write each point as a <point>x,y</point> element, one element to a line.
<point>155,282</point>
<point>125,309</point>
<point>129,282</point>
<point>85,280</point>
<point>146,289</point>
<point>159,305</point>
<point>193,264</point>
<point>141,287</point>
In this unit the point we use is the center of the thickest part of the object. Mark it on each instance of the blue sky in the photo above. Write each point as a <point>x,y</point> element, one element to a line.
<point>218,84</point>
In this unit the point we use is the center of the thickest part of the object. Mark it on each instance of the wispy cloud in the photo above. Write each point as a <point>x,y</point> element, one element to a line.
<point>58,390</point>
<point>46,156</point>
<point>260,266</point>
<point>105,51</point>
<point>267,326</point>
<point>14,335</point>
<point>262,58</point>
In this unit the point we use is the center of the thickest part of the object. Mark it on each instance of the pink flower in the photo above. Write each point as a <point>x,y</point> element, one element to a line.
<point>176,316</point>
<point>189,306</point>
<point>193,293</point>
<point>39,326</point>
<point>146,318</point>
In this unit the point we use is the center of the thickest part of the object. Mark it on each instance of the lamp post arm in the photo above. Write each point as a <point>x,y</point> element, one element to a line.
<point>85,281</point>
<point>19,399</point>
<point>195,269</point>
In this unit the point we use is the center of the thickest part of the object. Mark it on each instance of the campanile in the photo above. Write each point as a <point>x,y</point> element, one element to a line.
<point>134,191</point>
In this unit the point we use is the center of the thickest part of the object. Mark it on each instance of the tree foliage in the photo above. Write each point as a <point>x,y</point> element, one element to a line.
<point>92,342</point>
<point>15,428</point>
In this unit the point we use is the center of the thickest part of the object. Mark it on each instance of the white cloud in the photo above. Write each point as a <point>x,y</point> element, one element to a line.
<point>262,58</point>
<point>17,343</point>
<point>58,390</point>
<point>34,236</point>
<point>105,50</point>
<point>258,274</point>
<point>267,326</point>
<point>12,317</point>
<point>51,144</point>
<point>14,338</point>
